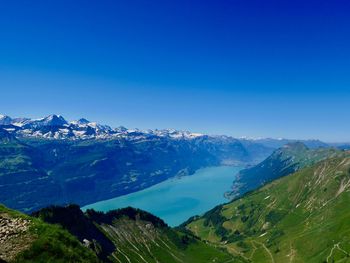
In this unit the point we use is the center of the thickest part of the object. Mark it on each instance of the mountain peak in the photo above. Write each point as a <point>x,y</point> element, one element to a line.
<point>296,146</point>
<point>53,120</point>
<point>83,121</point>
<point>5,120</point>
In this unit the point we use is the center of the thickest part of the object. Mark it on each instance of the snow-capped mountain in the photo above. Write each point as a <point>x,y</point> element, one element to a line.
<point>56,127</point>
<point>5,120</point>
<point>84,162</point>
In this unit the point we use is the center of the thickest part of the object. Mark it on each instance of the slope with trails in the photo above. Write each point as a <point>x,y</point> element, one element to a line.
<point>66,234</point>
<point>132,235</point>
<point>302,217</point>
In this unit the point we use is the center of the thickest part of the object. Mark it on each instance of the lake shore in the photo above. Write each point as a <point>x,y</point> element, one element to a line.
<point>177,199</point>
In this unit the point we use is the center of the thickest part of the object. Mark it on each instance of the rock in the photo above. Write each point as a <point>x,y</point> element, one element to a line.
<point>86,243</point>
<point>11,227</point>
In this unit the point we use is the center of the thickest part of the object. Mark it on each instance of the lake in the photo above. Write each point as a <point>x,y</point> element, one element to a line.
<point>177,199</point>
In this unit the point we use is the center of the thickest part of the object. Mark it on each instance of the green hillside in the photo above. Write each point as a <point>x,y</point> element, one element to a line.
<point>132,235</point>
<point>283,161</point>
<point>140,241</point>
<point>66,234</point>
<point>28,239</point>
<point>303,217</point>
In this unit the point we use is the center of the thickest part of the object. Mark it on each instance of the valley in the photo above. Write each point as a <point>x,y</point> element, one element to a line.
<point>288,204</point>
<point>174,131</point>
<point>44,164</point>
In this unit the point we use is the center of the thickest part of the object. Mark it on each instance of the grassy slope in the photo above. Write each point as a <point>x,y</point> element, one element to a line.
<point>304,217</point>
<point>138,241</point>
<point>43,242</point>
<point>136,236</point>
<point>285,160</point>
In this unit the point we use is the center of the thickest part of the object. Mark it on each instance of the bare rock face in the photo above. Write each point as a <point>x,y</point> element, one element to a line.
<point>14,236</point>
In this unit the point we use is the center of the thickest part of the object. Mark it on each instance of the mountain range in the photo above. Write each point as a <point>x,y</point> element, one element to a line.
<point>290,203</point>
<point>53,161</point>
<point>296,211</point>
<point>50,161</point>
<point>57,127</point>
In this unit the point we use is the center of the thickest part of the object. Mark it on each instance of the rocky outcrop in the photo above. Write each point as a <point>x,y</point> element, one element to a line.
<point>10,231</point>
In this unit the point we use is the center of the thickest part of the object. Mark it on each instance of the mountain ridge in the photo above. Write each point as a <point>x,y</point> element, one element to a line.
<point>57,127</point>
<point>301,217</point>
<point>66,234</point>
<point>285,160</point>
<point>55,171</point>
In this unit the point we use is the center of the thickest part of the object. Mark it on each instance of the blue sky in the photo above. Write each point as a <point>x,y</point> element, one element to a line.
<point>242,68</point>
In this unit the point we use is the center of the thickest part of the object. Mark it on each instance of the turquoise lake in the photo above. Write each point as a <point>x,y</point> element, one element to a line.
<point>177,199</point>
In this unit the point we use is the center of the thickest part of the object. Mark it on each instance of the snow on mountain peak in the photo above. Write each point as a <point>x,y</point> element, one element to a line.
<point>81,121</point>
<point>56,127</point>
<point>5,120</point>
<point>54,120</point>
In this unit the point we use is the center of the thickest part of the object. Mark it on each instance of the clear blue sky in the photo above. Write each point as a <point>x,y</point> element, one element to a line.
<point>254,68</point>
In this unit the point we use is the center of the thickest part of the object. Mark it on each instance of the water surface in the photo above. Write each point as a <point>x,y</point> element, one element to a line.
<point>177,199</point>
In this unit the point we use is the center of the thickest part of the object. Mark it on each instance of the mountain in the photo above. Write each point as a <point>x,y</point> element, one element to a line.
<point>302,217</point>
<point>52,161</point>
<point>48,172</point>
<point>5,120</point>
<point>283,161</point>
<point>342,146</point>
<point>6,137</point>
<point>56,127</point>
<point>66,234</point>
<point>28,239</point>
<point>49,121</point>
<point>277,143</point>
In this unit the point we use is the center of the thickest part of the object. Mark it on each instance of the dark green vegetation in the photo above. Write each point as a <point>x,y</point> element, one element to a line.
<point>302,217</point>
<point>43,171</point>
<point>57,234</point>
<point>78,224</point>
<point>285,160</point>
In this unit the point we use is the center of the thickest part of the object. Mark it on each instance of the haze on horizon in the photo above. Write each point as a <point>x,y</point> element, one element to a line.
<point>262,69</point>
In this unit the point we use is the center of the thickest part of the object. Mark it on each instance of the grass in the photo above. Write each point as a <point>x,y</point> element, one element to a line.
<point>303,217</point>
<point>139,242</point>
<point>48,243</point>
<point>136,236</point>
